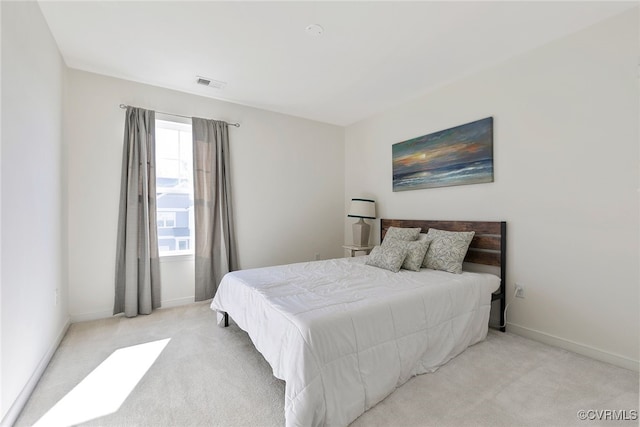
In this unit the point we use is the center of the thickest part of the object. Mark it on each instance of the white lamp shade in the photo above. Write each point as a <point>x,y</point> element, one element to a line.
<point>362,208</point>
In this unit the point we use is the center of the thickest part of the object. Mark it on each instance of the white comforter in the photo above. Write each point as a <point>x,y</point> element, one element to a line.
<point>343,335</point>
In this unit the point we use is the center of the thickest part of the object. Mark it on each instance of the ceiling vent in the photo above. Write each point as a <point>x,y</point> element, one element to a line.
<point>205,81</point>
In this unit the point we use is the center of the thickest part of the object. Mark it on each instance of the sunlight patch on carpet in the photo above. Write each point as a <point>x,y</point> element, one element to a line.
<point>103,391</point>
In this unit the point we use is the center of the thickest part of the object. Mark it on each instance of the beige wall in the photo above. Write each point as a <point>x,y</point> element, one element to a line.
<point>566,181</point>
<point>33,254</point>
<point>287,176</point>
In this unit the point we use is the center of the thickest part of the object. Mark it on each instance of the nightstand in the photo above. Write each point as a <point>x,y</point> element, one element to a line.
<point>353,249</point>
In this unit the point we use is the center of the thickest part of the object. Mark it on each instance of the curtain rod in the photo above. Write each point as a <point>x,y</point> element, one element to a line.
<point>124,107</point>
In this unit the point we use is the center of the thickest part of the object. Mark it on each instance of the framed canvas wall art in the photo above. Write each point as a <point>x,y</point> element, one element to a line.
<point>457,156</point>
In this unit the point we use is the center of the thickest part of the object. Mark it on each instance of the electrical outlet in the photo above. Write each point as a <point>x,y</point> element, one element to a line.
<point>519,291</point>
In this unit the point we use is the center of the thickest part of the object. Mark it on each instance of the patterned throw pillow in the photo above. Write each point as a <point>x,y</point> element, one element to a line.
<point>447,249</point>
<point>415,251</point>
<point>409,234</point>
<point>389,257</point>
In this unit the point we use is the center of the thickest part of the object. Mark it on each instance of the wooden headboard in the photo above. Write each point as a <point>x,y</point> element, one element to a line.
<point>488,247</point>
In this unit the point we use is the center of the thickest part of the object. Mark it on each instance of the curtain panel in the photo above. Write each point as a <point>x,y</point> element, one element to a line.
<point>137,283</point>
<point>215,242</point>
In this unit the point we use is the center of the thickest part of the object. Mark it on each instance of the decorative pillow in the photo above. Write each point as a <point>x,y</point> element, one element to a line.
<point>447,249</point>
<point>415,251</point>
<point>389,257</point>
<point>416,254</point>
<point>409,234</point>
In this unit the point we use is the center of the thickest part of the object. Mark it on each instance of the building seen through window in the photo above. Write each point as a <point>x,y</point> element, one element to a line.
<point>174,188</point>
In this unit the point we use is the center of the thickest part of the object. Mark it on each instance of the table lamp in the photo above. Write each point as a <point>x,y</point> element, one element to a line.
<point>362,208</point>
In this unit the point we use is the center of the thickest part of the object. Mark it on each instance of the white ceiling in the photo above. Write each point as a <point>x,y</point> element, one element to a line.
<point>372,55</point>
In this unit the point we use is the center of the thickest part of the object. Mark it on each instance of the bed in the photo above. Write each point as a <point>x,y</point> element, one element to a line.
<point>343,334</point>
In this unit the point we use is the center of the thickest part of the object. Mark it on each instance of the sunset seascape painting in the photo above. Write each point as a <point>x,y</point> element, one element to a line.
<point>457,156</point>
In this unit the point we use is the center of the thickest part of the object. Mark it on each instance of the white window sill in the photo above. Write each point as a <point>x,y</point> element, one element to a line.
<point>176,258</point>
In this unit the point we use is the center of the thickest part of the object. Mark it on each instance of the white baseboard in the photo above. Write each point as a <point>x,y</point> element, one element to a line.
<point>177,302</point>
<point>585,350</point>
<point>15,409</point>
<point>104,314</point>
<point>84,317</point>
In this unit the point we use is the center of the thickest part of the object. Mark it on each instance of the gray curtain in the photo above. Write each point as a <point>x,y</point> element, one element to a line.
<point>137,259</point>
<point>215,243</point>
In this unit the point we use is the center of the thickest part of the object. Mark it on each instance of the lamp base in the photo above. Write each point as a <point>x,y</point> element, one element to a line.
<point>361,233</point>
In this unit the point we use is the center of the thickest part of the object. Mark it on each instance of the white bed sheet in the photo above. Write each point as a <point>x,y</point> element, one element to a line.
<point>343,335</point>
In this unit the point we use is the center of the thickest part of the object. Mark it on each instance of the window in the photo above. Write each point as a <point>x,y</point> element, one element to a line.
<point>174,188</point>
<point>183,244</point>
<point>166,219</point>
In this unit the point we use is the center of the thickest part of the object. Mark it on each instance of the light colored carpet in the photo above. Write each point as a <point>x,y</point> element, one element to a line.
<point>211,376</point>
